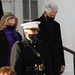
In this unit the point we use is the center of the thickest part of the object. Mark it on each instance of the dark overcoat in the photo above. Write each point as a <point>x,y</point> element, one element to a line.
<point>22,56</point>
<point>4,48</point>
<point>50,33</point>
<point>1,9</point>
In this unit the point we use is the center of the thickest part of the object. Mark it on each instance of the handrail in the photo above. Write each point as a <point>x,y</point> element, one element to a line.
<point>72,52</point>
<point>69,50</point>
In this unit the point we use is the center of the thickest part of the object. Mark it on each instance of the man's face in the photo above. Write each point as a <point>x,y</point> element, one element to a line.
<point>51,14</point>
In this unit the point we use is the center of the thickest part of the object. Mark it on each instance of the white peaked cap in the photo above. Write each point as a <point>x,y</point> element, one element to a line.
<point>31,25</point>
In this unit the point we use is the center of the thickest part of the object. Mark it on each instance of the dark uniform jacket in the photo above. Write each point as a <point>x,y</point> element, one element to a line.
<point>4,48</point>
<point>25,61</point>
<point>50,33</point>
<point>1,9</point>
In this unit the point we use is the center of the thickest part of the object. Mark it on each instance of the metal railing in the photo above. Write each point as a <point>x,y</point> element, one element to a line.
<point>72,52</point>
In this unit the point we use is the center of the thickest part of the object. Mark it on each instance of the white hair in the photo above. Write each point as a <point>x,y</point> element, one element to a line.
<point>51,7</point>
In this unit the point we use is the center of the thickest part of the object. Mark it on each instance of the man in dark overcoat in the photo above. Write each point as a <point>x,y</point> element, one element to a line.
<point>50,33</point>
<point>30,56</point>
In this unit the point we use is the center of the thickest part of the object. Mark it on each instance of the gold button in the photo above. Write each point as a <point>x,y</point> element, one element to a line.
<point>34,46</point>
<point>35,64</point>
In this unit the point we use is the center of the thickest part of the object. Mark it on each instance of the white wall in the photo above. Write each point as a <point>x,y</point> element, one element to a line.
<point>19,13</point>
<point>66,18</point>
<point>6,4</point>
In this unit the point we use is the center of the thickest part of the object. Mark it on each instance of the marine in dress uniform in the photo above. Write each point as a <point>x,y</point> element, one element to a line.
<point>30,56</point>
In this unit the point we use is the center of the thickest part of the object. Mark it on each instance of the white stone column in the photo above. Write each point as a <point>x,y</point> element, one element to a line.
<point>18,11</point>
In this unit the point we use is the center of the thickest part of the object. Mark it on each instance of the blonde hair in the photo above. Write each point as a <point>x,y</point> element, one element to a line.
<point>5,18</point>
<point>7,70</point>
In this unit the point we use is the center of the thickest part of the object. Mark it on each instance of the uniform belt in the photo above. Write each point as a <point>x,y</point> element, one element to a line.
<point>36,67</point>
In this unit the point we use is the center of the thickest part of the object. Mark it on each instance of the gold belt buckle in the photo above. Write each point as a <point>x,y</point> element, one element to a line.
<point>41,67</point>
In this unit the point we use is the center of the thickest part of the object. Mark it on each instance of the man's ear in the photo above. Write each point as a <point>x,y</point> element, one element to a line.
<point>45,13</point>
